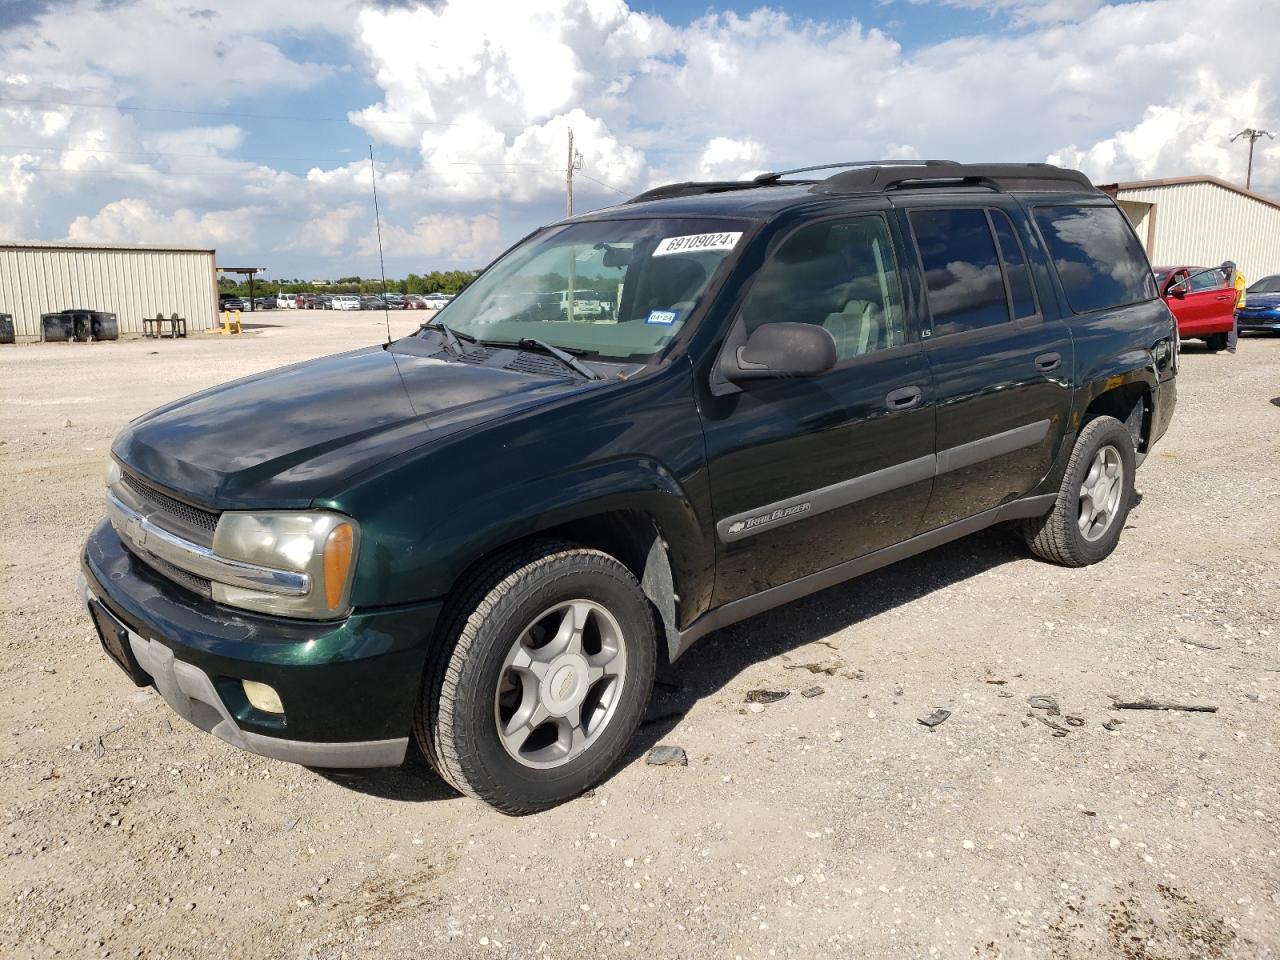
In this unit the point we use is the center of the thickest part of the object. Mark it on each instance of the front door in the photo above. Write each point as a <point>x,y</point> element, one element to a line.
<point>1001,367</point>
<point>808,473</point>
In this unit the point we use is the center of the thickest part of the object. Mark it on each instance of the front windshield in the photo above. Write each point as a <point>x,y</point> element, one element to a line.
<point>634,283</point>
<point>1266,285</point>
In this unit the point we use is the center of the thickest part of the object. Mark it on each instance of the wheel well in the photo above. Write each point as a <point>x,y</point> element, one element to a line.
<point>1131,405</point>
<point>631,537</point>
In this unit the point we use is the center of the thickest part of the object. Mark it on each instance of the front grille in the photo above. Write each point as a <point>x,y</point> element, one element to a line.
<point>184,513</point>
<point>179,576</point>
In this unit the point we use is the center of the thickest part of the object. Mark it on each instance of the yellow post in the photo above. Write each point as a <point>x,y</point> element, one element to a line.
<point>238,321</point>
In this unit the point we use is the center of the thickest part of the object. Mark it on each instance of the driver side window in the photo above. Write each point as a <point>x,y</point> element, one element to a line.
<point>840,275</point>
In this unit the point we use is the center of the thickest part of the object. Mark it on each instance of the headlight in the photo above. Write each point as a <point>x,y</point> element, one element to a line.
<point>321,545</point>
<point>113,473</point>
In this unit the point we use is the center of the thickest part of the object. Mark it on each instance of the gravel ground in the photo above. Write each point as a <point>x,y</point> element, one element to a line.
<point>830,825</point>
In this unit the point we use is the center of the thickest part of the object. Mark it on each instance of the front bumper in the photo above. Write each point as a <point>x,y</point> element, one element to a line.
<point>1265,322</point>
<point>349,688</point>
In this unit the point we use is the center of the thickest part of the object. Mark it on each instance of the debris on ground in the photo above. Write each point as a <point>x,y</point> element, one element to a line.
<point>766,696</point>
<point>1058,729</point>
<point>1044,703</point>
<point>829,667</point>
<point>934,719</point>
<point>1111,724</point>
<point>1197,643</point>
<point>1160,705</point>
<point>811,692</point>
<point>667,756</point>
<point>1073,721</point>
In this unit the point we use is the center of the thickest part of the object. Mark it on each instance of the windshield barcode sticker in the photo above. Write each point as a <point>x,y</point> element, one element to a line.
<point>697,241</point>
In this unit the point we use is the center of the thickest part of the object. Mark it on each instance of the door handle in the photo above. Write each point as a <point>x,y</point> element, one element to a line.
<point>1048,361</point>
<point>904,398</point>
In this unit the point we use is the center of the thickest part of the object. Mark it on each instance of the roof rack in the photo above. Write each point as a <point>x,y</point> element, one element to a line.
<point>870,176</point>
<point>769,178</point>
<point>938,173</point>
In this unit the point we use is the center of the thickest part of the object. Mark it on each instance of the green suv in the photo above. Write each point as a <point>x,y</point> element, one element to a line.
<point>481,539</point>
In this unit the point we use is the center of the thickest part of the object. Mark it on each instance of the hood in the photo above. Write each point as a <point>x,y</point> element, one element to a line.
<point>289,436</point>
<point>1262,300</point>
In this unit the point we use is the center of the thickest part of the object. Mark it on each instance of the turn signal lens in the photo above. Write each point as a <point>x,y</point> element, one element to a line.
<point>338,548</point>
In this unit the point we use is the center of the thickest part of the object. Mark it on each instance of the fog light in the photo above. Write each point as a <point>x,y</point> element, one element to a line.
<point>262,697</point>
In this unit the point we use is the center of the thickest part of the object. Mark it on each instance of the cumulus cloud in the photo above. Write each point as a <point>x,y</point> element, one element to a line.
<point>134,220</point>
<point>473,100</point>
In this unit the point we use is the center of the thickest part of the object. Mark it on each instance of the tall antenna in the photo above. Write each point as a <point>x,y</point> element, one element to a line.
<point>382,264</point>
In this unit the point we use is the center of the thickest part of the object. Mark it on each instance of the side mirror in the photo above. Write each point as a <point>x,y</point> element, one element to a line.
<point>1179,290</point>
<point>783,350</point>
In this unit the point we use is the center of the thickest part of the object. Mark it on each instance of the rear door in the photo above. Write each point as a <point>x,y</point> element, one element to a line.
<point>1001,363</point>
<point>808,473</point>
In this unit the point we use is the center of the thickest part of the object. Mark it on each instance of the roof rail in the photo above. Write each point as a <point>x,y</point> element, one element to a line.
<point>871,176</point>
<point>936,173</point>
<point>770,178</point>
<point>691,188</point>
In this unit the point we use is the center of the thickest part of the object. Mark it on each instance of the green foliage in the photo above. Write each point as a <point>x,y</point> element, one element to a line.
<point>437,281</point>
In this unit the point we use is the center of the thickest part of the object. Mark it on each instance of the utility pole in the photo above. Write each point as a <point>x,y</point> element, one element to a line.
<point>574,163</point>
<point>1253,135</point>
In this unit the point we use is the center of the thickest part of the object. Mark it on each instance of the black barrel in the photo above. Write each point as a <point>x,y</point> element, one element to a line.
<point>55,327</point>
<point>104,326</point>
<point>81,324</point>
<point>6,329</point>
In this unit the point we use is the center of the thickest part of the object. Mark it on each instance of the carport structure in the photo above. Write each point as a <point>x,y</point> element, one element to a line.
<point>249,272</point>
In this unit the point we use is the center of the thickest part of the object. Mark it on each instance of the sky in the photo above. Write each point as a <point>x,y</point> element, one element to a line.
<point>246,125</point>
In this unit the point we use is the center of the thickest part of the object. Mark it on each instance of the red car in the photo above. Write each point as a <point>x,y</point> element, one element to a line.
<point>1202,302</point>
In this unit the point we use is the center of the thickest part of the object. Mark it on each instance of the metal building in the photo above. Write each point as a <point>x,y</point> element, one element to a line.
<point>1202,221</point>
<point>131,282</point>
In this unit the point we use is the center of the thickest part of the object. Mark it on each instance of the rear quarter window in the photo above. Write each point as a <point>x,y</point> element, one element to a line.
<point>1096,256</point>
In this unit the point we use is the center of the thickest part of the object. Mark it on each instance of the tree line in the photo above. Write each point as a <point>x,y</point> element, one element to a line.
<point>437,281</point>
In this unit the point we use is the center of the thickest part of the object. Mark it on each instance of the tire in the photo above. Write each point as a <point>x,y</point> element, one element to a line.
<point>1216,341</point>
<point>472,684</point>
<point>1060,536</point>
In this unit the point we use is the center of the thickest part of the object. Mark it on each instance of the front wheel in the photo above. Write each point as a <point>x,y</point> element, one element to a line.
<point>1093,501</point>
<point>546,671</point>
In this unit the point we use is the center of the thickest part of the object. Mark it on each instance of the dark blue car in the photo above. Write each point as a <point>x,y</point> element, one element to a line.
<point>1261,311</point>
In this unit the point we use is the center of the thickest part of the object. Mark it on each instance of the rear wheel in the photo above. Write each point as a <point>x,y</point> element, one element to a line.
<point>1216,341</point>
<point>544,680</point>
<point>1093,501</point>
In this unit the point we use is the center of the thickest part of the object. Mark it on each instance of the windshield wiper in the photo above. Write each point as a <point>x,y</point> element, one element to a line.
<point>568,359</point>
<point>450,337</point>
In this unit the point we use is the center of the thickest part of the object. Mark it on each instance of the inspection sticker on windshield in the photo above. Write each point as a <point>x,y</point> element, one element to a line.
<point>663,317</point>
<point>697,241</point>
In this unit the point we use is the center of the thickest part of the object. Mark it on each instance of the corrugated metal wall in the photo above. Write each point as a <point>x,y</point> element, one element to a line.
<point>130,282</point>
<point>1202,224</point>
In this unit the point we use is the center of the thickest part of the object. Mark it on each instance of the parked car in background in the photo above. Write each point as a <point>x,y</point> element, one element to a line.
<point>287,301</point>
<point>395,301</point>
<point>1261,311</point>
<point>1202,301</point>
<point>434,301</point>
<point>228,301</point>
<point>264,303</point>
<point>486,537</point>
<point>345,301</point>
<point>372,302</point>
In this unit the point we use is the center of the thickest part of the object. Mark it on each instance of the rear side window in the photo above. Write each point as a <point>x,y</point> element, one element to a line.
<point>961,269</point>
<point>1021,296</point>
<point>1097,257</point>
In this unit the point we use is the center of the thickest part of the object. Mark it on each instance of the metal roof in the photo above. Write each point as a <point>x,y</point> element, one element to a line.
<point>120,247</point>
<point>1113,188</point>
